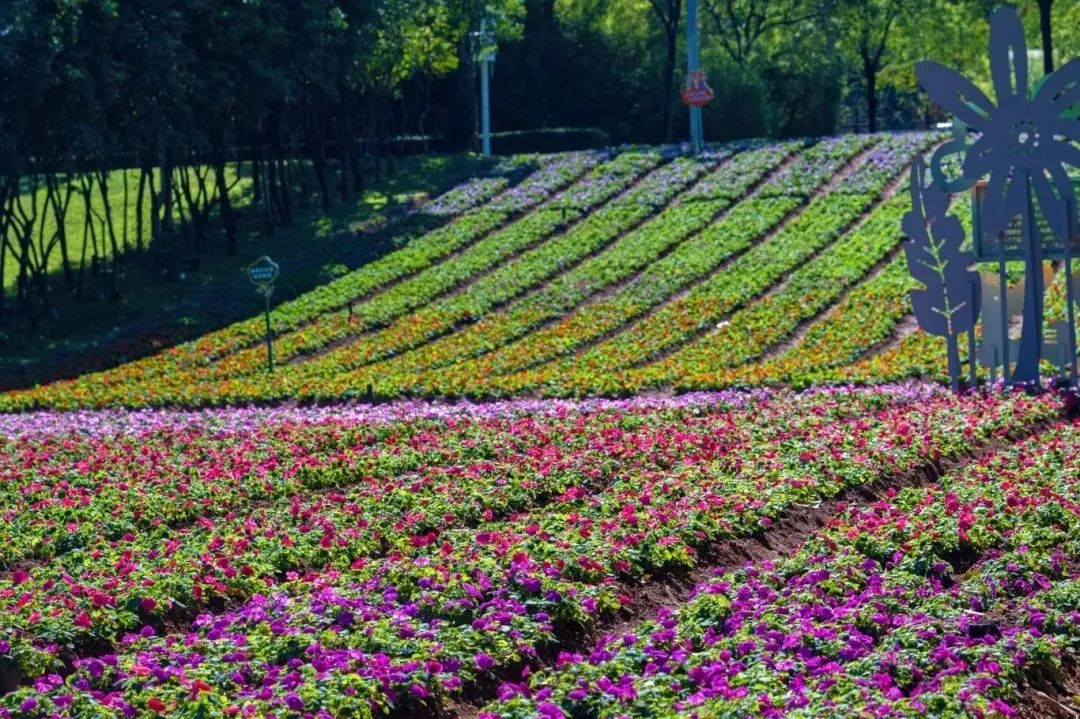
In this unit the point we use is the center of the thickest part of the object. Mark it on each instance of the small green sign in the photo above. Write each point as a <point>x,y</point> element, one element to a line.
<point>263,271</point>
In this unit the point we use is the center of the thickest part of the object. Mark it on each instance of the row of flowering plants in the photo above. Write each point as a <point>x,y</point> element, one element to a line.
<point>946,600</point>
<point>682,243</point>
<point>527,272</point>
<point>578,294</point>
<point>553,174</point>
<point>818,165</point>
<point>718,243</point>
<point>866,317</point>
<point>361,595</point>
<point>467,195</point>
<point>605,224</point>
<point>685,241</point>
<point>810,290</point>
<point>808,245</point>
<point>676,229</point>
<point>399,304</point>
<point>864,338</point>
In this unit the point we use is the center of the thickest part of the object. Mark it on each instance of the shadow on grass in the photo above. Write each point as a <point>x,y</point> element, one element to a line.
<point>91,332</point>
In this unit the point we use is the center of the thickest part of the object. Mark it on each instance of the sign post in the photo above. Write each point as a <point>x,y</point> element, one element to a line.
<point>696,92</point>
<point>693,64</point>
<point>484,48</point>
<point>262,273</point>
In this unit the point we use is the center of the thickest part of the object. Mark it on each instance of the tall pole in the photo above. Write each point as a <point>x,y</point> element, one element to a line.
<point>485,103</point>
<point>693,62</point>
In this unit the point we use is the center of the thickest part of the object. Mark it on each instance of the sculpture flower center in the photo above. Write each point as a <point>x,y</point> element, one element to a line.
<point>1025,138</point>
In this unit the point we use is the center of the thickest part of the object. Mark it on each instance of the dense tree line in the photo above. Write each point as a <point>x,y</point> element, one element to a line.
<point>309,99</point>
<point>194,93</point>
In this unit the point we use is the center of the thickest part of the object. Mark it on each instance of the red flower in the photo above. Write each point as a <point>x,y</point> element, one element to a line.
<point>156,704</point>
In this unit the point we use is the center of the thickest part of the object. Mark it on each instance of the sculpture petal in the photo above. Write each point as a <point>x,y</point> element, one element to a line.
<point>955,94</point>
<point>1004,198</point>
<point>1062,88</point>
<point>1066,152</point>
<point>1051,204</point>
<point>1008,58</point>
<point>914,219</point>
<point>980,157</point>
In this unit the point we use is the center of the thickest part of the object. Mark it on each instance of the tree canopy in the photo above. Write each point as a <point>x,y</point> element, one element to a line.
<point>194,94</point>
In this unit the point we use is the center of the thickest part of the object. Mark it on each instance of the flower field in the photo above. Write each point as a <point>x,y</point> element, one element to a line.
<point>590,273</point>
<point>412,558</point>
<point>647,441</point>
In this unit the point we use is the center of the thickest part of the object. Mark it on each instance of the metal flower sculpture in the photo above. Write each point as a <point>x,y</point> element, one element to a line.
<point>1024,143</point>
<point>948,303</point>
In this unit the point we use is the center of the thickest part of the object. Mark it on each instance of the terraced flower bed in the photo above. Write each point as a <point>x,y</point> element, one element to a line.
<point>749,534</point>
<point>957,599</point>
<point>595,274</point>
<point>298,561</point>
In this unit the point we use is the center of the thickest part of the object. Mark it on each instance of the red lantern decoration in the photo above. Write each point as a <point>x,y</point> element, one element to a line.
<point>696,92</point>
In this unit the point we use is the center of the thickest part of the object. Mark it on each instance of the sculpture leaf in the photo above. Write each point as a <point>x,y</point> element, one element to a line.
<point>949,302</point>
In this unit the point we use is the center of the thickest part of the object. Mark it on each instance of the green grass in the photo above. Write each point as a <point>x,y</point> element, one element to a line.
<point>125,223</point>
<point>316,246</point>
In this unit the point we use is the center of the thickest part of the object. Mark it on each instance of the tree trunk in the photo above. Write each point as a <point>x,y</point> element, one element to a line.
<point>669,78</point>
<point>166,195</point>
<point>5,223</point>
<point>232,243</point>
<point>256,184</point>
<point>1047,39</point>
<point>870,73</point>
<point>103,187</point>
<point>127,194</point>
<point>318,160</point>
<point>139,194</point>
<point>60,214</point>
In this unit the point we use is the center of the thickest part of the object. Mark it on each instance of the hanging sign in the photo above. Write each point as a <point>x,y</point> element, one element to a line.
<point>696,92</point>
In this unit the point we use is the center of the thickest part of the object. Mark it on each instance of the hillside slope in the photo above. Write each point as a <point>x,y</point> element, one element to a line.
<point>600,273</point>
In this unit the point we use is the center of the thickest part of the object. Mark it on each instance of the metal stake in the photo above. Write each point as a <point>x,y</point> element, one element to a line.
<point>1004,294</point>
<point>973,370</point>
<point>1070,298</point>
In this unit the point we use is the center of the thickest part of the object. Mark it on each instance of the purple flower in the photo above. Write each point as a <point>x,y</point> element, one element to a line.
<point>547,710</point>
<point>483,661</point>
